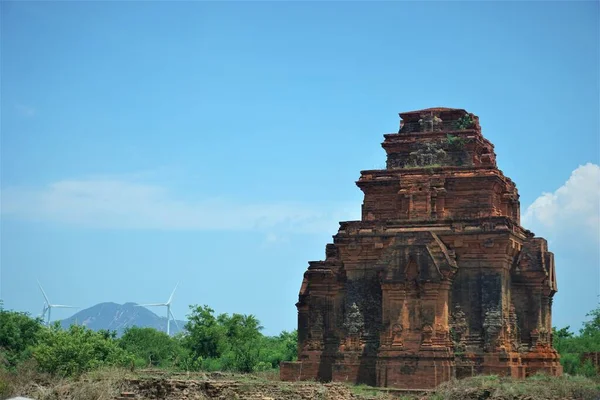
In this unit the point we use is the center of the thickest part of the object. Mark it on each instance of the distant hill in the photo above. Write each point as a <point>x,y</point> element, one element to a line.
<point>117,317</point>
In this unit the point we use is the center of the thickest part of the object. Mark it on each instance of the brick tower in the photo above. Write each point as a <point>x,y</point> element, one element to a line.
<point>438,279</point>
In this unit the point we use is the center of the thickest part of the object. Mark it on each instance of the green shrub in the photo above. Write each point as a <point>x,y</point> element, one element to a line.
<point>464,122</point>
<point>150,347</point>
<point>18,332</point>
<point>455,142</point>
<point>212,364</point>
<point>588,369</point>
<point>263,366</point>
<point>77,350</point>
<point>5,387</point>
<point>571,347</point>
<point>275,349</point>
<point>570,363</point>
<point>234,342</point>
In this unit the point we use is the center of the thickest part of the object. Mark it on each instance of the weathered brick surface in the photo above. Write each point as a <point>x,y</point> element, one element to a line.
<point>438,279</point>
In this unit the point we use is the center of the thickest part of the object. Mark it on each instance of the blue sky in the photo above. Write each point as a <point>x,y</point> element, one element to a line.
<point>217,144</point>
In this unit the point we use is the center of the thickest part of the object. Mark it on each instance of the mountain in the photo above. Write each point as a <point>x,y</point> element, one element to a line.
<point>117,317</point>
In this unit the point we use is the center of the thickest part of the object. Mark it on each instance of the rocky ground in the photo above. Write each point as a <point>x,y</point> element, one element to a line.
<point>124,385</point>
<point>230,389</point>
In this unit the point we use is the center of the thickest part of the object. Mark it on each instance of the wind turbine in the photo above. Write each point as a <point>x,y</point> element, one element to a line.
<point>49,306</point>
<point>169,313</point>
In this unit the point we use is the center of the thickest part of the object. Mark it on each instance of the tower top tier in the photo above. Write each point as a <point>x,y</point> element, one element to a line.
<point>437,119</point>
<point>438,137</point>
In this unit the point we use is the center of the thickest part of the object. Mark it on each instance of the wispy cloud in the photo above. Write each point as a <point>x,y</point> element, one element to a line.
<point>274,239</point>
<point>25,111</point>
<point>126,204</point>
<point>129,203</point>
<point>573,206</point>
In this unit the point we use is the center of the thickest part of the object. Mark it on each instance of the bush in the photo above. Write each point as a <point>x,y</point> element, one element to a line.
<point>150,347</point>
<point>212,364</point>
<point>455,142</point>
<point>570,363</point>
<point>571,347</point>
<point>234,342</point>
<point>464,122</point>
<point>77,350</point>
<point>224,342</point>
<point>587,369</point>
<point>280,348</point>
<point>18,332</point>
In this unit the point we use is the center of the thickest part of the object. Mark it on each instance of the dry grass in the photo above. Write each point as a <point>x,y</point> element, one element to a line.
<point>271,375</point>
<point>369,392</point>
<point>102,384</point>
<point>537,387</point>
<point>106,384</point>
<point>13,383</point>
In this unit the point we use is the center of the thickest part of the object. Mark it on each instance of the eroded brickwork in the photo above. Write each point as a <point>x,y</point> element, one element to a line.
<point>438,279</point>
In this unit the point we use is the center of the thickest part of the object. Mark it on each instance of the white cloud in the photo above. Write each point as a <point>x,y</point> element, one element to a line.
<point>575,205</point>
<point>126,204</point>
<point>25,111</point>
<point>274,239</point>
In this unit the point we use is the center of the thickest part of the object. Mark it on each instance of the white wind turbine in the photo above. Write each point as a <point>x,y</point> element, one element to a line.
<point>169,313</point>
<point>47,310</point>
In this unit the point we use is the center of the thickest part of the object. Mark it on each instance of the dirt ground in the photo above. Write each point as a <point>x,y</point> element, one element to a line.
<point>124,385</point>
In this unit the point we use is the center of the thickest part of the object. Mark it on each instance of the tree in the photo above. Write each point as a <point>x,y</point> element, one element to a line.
<point>289,345</point>
<point>571,347</point>
<point>592,327</point>
<point>18,332</point>
<point>150,347</point>
<point>205,334</point>
<point>223,342</point>
<point>242,341</point>
<point>275,349</point>
<point>561,338</point>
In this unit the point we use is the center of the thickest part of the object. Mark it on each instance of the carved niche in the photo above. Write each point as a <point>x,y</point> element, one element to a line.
<point>458,329</point>
<point>397,330</point>
<point>512,332</point>
<point>315,335</point>
<point>354,325</point>
<point>492,328</point>
<point>426,335</point>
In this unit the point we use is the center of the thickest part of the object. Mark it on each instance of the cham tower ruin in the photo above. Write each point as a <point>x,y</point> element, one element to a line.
<point>438,279</point>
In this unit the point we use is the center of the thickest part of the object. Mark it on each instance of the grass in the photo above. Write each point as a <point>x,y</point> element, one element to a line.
<point>427,166</point>
<point>536,387</point>
<point>369,392</point>
<point>26,375</point>
<point>364,390</point>
<point>101,384</point>
<point>107,383</point>
<point>271,375</point>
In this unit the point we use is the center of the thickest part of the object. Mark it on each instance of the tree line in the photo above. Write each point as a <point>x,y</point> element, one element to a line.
<point>210,342</point>
<point>572,346</point>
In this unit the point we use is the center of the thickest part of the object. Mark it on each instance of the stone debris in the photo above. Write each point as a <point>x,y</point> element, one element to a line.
<point>175,389</point>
